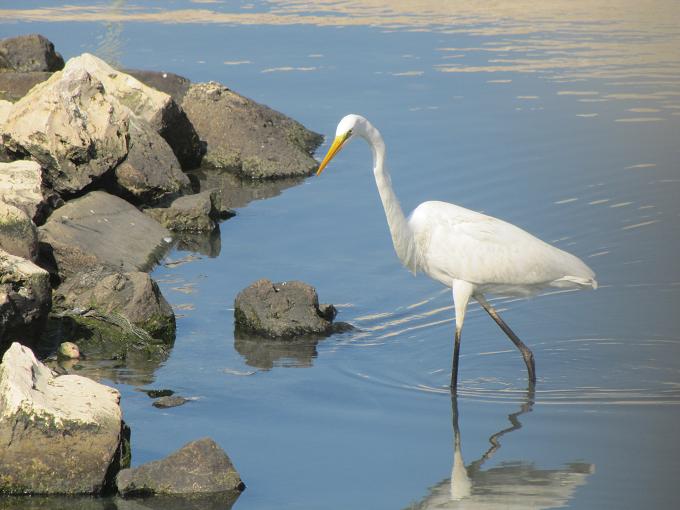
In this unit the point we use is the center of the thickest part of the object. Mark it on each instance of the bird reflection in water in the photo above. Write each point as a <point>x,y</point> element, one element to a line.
<point>510,485</point>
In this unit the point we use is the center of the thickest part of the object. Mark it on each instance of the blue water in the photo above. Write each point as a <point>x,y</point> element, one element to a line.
<point>575,141</point>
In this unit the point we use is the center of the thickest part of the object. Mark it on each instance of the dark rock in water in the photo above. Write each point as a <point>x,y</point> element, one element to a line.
<point>98,230</point>
<point>191,213</point>
<point>282,310</point>
<point>25,300</point>
<point>59,435</point>
<point>198,467</point>
<point>170,401</point>
<point>15,85</point>
<point>159,393</point>
<point>174,85</point>
<point>18,234</point>
<point>134,297</point>
<point>27,53</point>
<point>249,138</point>
<point>150,171</point>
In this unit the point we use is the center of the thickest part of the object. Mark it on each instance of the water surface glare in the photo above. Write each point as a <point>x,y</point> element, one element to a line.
<point>562,117</point>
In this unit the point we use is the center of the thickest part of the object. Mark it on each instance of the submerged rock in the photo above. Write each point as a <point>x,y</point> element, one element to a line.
<point>98,230</point>
<point>198,467</point>
<point>26,53</point>
<point>169,401</point>
<point>58,435</point>
<point>249,138</point>
<point>25,299</point>
<point>283,310</point>
<point>18,234</point>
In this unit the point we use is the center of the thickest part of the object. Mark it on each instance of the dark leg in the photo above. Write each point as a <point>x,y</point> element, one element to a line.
<point>454,366</point>
<point>526,352</point>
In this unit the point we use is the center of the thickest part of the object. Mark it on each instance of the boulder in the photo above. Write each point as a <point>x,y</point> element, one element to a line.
<point>58,435</point>
<point>246,137</point>
<point>15,85</point>
<point>174,85</point>
<point>150,172</point>
<point>97,230</point>
<point>198,467</point>
<point>22,186</point>
<point>282,310</point>
<point>133,296</point>
<point>18,234</point>
<point>27,53</point>
<point>191,213</point>
<point>25,299</point>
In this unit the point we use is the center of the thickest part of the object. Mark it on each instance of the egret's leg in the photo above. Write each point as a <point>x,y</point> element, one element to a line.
<point>461,296</point>
<point>526,352</point>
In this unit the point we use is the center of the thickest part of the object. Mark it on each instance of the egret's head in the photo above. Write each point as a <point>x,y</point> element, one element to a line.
<point>349,127</point>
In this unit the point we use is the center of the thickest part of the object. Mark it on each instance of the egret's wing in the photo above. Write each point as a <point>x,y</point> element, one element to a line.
<point>458,243</point>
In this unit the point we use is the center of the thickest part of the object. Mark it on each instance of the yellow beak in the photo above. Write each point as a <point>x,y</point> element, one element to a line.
<point>334,149</point>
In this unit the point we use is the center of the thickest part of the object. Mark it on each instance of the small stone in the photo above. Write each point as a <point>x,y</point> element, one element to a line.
<point>68,350</point>
<point>171,401</point>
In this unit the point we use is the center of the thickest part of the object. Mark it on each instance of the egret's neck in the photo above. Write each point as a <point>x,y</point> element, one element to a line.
<point>402,237</point>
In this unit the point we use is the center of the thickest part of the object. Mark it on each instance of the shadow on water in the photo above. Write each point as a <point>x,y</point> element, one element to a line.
<point>516,484</point>
<point>216,501</point>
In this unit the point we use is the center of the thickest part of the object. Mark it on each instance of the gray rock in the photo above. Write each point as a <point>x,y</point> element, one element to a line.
<point>31,52</point>
<point>97,230</point>
<point>282,310</point>
<point>15,85</point>
<point>246,137</point>
<point>169,401</point>
<point>198,467</point>
<point>25,299</point>
<point>191,213</point>
<point>21,185</point>
<point>18,234</point>
<point>150,172</point>
<point>58,435</point>
<point>174,85</point>
<point>134,296</point>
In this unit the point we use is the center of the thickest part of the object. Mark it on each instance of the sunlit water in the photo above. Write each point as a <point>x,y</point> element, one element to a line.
<point>563,119</point>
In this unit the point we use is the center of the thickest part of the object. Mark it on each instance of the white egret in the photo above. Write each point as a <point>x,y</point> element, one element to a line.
<point>470,252</point>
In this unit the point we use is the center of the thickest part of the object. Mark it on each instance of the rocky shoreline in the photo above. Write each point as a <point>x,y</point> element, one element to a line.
<point>101,172</point>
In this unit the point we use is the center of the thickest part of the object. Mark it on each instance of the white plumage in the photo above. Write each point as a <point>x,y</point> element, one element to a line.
<point>470,252</point>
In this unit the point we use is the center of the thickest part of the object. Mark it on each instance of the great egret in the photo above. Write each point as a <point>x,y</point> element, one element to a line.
<point>470,252</point>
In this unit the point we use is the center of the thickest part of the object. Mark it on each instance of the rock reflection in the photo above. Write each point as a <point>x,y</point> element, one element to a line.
<point>237,192</point>
<point>265,354</point>
<point>205,243</point>
<point>509,485</point>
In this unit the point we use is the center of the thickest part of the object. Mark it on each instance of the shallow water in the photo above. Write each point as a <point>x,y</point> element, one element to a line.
<point>563,119</point>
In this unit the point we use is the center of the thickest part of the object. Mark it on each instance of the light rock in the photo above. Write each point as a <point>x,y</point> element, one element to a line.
<point>58,435</point>
<point>97,230</point>
<point>68,350</point>
<point>191,213</point>
<point>5,107</point>
<point>21,185</point>
<point>18,234</point>
<point>249,138</point>
<point>198,467</point>
<point>31,52</point>
<point>25,299</point>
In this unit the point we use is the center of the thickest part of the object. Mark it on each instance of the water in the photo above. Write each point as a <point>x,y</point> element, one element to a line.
<point>561,118</point>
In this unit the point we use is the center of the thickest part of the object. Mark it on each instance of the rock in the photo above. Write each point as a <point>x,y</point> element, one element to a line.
<point>198,467</point>
<point>281,310</point>
<point>58,435</point>
<point>191,213</point>
<point>69,125</point>
<point>174,85</point>
<point>97,230</point>
<point>18,234</point>
<point>5,107</point>
<point>246,137</point>
<point>150,172</point>
<point>22,186</point>
<point>68,350</point>
<point>25,299</point>
<point>170,401</point>
<point>159,393</point>
<point>15,85</point>
<point>133,296</point>
<point>27,53</point>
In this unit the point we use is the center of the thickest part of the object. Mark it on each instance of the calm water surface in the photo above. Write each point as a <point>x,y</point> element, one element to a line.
<point>563,119</point>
